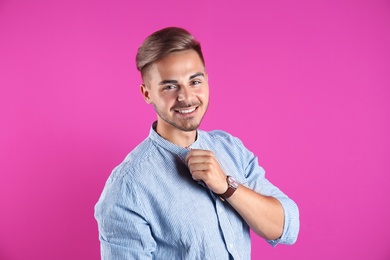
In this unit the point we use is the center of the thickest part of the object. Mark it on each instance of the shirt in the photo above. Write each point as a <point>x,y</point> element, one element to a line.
<point>151,208</point>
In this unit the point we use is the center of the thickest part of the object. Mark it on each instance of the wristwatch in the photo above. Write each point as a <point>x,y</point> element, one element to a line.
<point>232,187</point>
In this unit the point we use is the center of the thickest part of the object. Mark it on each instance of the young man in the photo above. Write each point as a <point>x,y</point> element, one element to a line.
<point>184,193</point>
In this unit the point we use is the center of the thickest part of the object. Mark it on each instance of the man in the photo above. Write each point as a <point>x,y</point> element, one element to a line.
<point>184,193</point>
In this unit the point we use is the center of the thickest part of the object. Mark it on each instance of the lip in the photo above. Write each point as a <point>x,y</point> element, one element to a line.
<point>186,111</point>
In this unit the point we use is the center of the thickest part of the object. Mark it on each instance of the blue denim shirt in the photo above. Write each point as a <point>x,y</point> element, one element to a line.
<point>151,208</point>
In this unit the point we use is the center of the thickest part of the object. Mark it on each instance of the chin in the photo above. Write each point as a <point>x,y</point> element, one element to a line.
<point>187,128</point>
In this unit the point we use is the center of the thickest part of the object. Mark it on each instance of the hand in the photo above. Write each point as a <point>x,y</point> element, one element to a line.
<point>205,167</point>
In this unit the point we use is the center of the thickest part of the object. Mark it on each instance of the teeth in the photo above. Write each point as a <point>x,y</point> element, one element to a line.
<point>186,111</point>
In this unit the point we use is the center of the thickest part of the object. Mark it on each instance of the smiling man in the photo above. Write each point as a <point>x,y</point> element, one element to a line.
<point>184,193</point>
<point>177,87</point>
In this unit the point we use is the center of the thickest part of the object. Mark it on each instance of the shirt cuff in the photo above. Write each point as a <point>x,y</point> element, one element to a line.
<point>291,223</point>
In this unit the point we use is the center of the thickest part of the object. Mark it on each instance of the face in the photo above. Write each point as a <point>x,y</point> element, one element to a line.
<point>177,87</point>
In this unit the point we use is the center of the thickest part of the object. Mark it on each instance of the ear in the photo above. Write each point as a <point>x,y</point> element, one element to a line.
<point>145,93</point>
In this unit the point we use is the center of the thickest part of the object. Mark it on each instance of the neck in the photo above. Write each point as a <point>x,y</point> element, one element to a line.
<point>175,135</point>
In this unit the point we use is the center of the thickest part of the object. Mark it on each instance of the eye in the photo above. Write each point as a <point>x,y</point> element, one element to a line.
<point>196,82</point>
<point>169,87</point>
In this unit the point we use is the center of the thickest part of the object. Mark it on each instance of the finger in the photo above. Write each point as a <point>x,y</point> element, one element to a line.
<point>199,156</point>
<point>200,160</point>
<point>205,176</point>
<point>201,167</point>
<point>197,152</point>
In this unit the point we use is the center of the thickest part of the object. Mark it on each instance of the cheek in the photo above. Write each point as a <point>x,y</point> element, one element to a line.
<point>203,94</point>
<point>167,99</point>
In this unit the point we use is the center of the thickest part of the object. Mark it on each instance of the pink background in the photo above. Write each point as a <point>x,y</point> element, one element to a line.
<point>304,84</point>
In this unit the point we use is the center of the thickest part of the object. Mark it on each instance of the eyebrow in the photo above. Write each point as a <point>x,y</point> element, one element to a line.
<point>199,74</point>
<point>173,81</point>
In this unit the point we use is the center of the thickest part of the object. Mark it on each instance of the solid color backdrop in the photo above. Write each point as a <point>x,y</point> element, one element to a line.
<point>304,84</point>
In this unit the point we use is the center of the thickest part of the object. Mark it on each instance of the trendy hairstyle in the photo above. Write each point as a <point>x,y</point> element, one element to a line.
<point>163,42</point>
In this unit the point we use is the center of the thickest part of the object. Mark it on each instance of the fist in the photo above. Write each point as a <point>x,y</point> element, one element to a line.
<point>204,167</point>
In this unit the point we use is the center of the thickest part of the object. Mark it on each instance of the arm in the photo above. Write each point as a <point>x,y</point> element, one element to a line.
<point>267,211</point>
<point>263,214</point>
<point>123,232</point>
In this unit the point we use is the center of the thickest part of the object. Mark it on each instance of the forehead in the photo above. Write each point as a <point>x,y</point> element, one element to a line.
<point>175,66</point>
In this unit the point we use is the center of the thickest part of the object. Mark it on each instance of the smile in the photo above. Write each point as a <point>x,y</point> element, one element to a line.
<point>186,111</point>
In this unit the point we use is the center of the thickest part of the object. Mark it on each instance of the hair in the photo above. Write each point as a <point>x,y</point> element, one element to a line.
<point>163,42</point>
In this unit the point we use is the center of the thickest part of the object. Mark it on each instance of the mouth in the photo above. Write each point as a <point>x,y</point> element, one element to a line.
<point>185,110</point>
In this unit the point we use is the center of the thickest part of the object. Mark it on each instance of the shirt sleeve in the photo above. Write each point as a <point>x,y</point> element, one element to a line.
<point>255,177</point>
<point>123,231</point>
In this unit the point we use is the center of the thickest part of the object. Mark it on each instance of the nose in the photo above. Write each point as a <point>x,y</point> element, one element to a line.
<point>184,94</point>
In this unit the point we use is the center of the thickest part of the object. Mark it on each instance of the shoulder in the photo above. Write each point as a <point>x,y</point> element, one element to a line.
<point>130,167</point>
<point>226,144</point>
<point>221,137</point>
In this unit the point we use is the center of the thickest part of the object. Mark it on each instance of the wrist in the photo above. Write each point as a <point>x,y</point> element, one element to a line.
<point>232,186</point>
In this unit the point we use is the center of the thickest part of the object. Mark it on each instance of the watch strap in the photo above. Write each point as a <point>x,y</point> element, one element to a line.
<point>229,192</point>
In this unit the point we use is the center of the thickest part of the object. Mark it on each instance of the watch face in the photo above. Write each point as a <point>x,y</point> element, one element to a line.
<point>232,182</point>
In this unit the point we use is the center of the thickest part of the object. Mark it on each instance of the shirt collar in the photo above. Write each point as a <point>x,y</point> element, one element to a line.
<point>156,138</point>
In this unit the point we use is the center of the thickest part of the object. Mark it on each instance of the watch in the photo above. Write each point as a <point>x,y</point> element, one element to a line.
<point>232,187</point>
